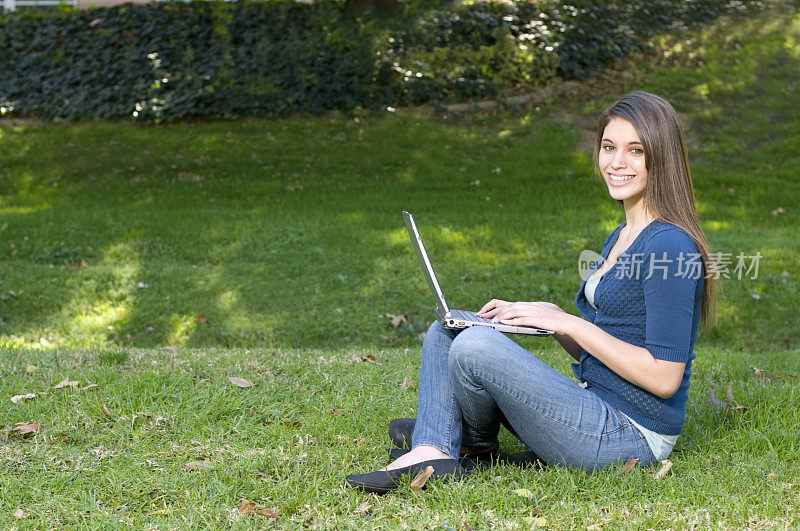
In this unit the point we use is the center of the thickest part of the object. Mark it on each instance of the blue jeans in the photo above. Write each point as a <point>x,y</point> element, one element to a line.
<point>472,381</point>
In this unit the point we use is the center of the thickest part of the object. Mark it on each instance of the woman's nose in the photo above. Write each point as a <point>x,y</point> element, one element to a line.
<point>618,161</point>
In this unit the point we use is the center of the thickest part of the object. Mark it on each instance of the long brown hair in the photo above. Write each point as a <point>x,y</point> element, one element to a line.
<point>669,194</point>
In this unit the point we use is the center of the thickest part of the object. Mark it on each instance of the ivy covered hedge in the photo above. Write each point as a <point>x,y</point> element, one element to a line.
<point>172,61</point>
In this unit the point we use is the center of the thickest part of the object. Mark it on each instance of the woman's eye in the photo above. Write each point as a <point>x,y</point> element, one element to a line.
<point>638,151</point>
<point>608,148</point>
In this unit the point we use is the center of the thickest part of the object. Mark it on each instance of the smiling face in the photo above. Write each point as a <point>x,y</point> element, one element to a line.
<point>622,162</point>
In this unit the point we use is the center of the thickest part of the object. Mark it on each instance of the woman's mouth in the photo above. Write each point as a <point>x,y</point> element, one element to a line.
<point>619,179</point>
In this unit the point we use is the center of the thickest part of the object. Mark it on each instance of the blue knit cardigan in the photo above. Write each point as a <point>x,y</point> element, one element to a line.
<point>650,298</point>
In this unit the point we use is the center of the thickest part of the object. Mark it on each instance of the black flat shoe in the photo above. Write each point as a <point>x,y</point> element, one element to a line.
<point>401,430</point>
<point>520,459</point>
<point>384,481</point>
<point>468,462</point>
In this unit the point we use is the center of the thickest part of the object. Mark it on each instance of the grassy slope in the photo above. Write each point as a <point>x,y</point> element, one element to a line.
<point>265,227</point>
<point>269,228</point>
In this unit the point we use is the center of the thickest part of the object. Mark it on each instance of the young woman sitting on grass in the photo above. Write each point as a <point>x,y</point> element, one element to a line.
<point>641,306</point>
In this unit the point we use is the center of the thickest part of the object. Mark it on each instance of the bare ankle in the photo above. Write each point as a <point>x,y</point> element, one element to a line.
<point>417,455</point>
<point>430,452</point>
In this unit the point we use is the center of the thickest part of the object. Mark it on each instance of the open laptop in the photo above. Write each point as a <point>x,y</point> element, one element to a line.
<point>456,319</point>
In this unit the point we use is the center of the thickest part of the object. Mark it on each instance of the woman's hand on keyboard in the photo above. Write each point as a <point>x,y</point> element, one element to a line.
<point>491,308</point>
<point>538,314</point>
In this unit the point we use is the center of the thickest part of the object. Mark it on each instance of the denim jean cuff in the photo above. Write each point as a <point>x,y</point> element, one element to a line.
<point>478,448</point>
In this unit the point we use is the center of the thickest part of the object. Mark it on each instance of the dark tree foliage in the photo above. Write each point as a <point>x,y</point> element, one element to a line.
<point>172,61</point>
<point>379,6</point>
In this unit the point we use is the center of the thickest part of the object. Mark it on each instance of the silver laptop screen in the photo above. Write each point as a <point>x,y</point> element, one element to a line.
<point>424,262</point>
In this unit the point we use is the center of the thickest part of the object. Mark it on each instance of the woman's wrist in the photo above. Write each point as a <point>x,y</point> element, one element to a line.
<point>570,322</point>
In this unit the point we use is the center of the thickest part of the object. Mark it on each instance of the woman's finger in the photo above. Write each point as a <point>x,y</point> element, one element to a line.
<point>529,312</point>
<point>517,320</point>
<point>510,311</point>
<point>491,306</point>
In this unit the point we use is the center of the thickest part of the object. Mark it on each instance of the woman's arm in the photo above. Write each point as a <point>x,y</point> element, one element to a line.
<point>635,364</point>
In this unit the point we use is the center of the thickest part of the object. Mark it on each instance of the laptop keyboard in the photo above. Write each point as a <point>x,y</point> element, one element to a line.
<point>469,316</point>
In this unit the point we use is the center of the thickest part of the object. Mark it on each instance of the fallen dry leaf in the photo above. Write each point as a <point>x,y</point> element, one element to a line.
<point>765,376</point>
<point>396,320</point>
<point>240,382</point>
<point>368,357</point>
<point>19,514</point>
<point>524,493</point>
<point>198,465</point>
<point>105,409</point>
<point>629,465</point>
<point>272,513</point>
<point>362,509</point>
<point>419,481</point>
<point>729,404</point>
<point>713,400</point>
<point>90,386</point>
<point>25,428</point>
<point>201,318</point>
<point>17,398</point>
<point>731,401</point>
<point>66,382</point>
<point>406,384</point>
<point>247,507</point>
<point>536,521</point>
<point>79,265</point>
<point>666,464</point>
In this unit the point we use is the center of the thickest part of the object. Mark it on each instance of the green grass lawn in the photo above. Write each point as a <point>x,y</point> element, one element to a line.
<point>314,415</point>
<point>157,261</point>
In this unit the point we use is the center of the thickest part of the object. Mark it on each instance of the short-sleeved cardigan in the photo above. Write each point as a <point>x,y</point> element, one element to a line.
<point>650,298</point>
